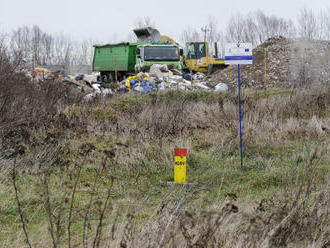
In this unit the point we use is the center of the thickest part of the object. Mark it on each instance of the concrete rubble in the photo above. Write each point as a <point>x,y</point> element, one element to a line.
<point>286,61</point>
<point>277,53</point>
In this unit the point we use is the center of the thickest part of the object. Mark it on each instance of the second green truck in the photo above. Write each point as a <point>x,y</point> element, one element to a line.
<point>117,61</point>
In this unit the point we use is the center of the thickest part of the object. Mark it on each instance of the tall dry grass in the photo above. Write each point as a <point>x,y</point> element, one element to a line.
<point>46,132</point>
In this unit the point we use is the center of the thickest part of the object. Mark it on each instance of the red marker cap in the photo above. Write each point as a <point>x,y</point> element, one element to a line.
<point>180,152</point>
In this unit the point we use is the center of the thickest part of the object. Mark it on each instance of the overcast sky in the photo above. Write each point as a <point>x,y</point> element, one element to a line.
<point>104,20</point>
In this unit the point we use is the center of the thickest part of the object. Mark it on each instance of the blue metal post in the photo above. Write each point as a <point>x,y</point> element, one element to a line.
<point>240,118</point>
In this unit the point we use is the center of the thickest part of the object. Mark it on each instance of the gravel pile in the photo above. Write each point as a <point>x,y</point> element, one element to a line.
<point>288,61</point>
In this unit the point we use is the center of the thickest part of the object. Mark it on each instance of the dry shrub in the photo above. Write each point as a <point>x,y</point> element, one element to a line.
<point>297,115</point>
<point>27,107</point>
<point>271,223</point>
<point>297,216</point>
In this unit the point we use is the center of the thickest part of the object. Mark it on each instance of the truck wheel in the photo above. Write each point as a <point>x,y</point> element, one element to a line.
<point>111,77</point>
<point>121,76</point>
<point>104,77</point>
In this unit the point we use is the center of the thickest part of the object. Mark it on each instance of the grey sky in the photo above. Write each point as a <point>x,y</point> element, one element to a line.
<point>105,20</point>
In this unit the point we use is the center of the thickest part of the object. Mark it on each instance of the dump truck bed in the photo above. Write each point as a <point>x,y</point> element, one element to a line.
<point>112,57</point>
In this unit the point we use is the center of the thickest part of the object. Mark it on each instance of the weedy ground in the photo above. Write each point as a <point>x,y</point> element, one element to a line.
<point>95,174</point>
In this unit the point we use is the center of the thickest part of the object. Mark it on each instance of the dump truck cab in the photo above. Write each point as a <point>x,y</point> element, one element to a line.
<point>157,53</point>
<point>117,61</point>
<point>154,48</point>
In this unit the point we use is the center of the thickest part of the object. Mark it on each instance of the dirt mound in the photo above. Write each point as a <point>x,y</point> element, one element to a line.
<point>278,56</point>
<point>287,60</point>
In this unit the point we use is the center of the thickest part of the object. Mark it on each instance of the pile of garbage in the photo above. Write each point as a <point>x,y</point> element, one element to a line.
<point>276,50</point>
<point>39,74</point>
<point>89,84</point>
<point>279,62</point>
<point>160,77</point>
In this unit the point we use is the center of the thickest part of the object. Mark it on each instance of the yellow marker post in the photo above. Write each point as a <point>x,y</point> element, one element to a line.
<point>180,157</point>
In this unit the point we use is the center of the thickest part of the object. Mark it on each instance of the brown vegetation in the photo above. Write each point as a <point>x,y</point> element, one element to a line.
<point>92,174</point>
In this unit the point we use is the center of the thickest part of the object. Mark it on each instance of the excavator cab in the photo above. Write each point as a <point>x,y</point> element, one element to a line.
<point>196,50</point>
<point>195,54</point>
<point>197,59</point>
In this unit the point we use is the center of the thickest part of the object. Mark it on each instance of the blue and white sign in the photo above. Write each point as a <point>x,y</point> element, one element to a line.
<point>238,53</point>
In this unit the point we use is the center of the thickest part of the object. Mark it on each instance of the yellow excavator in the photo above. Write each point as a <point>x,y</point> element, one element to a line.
<point>197,58</point>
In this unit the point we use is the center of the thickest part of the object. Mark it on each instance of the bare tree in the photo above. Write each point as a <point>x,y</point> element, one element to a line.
<point>61,46</point>
<point>307,24</point>
<point>235,28</point>
<point>36,47</point>
<point>314,25</point>
<point>209,32</point>
<point>256,27</point>
<point>214,35</point>
<point>323,21</point>
<point>190,34</point>
<point>269,26</point>
<point>21,44</point>
<point>31,45</point>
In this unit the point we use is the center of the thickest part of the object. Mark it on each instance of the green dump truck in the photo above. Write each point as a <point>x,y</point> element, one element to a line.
<point>122,59</point>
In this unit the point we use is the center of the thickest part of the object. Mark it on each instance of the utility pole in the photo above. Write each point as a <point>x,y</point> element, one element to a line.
<point>205,30</point>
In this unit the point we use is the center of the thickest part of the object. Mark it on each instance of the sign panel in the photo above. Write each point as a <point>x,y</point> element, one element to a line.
<point>180,157</point>
<point>238,53</point>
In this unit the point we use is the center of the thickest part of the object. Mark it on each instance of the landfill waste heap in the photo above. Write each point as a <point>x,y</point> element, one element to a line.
<point>279,62</point>
<point>159,77</point>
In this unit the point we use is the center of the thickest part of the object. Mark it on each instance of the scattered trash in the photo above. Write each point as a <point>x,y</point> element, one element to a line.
<point>161,86</point>
<point>39,74</point>
<point>96,93</point>
<point>90,78</point>
<point>157,70</point>
<point>221,87</point>
<point>107,92</point>
<point>176,72</point>
<point>198,76</point>
<point>159,77</point>
<point>187,76</point>
<point>79,77</point>
<point>201,86</point>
